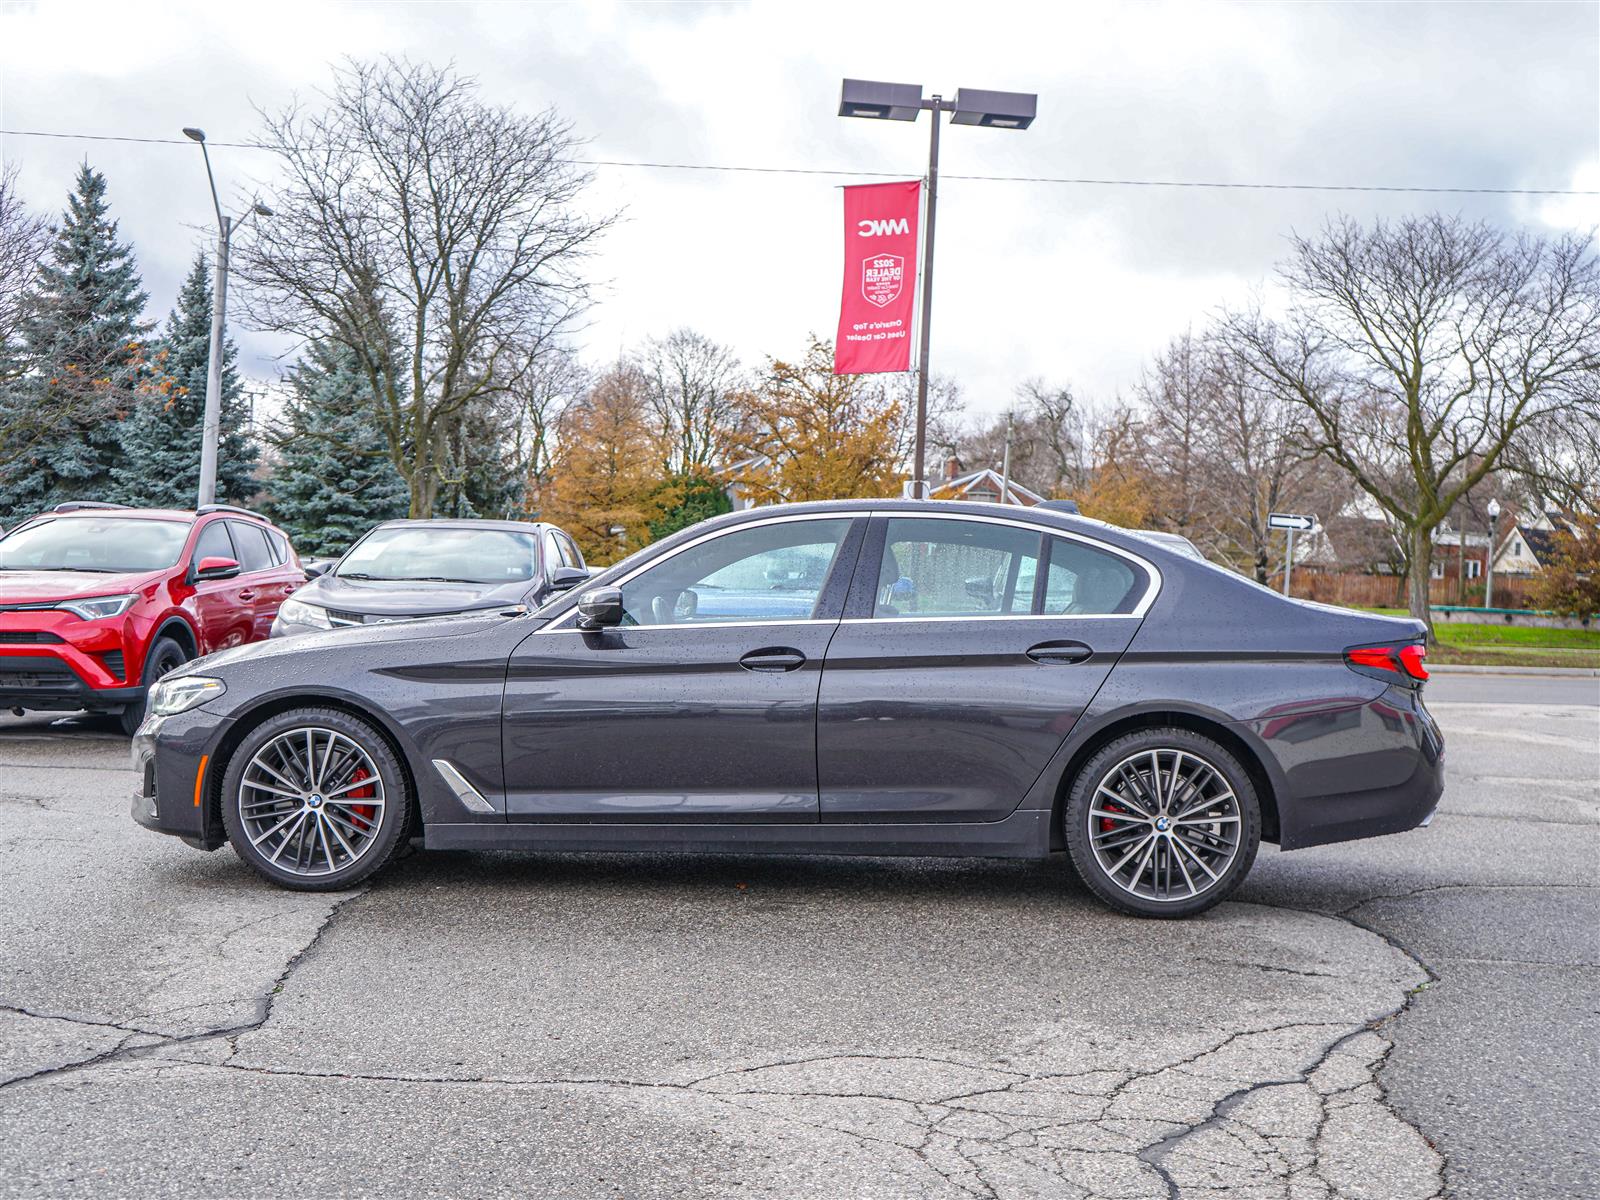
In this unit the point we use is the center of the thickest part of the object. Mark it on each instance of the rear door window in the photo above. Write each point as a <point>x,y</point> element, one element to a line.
<point>251,542</point>
<point>933,567</point>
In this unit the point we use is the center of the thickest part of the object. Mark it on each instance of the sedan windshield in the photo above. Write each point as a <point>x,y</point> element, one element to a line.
<point>93,544</point>
<point>446,555</point>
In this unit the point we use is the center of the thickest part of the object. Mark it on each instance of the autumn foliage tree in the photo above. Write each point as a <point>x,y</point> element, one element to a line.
<point>606,469</point>
<point>808,434</point>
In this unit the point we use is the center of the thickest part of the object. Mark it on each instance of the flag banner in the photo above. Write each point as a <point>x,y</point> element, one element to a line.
<point>880,274</point>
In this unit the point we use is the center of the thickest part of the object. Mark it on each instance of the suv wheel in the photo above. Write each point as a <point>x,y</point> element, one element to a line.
<point>1162,823</point>
<point>165,656</point>
<point>315,800</point>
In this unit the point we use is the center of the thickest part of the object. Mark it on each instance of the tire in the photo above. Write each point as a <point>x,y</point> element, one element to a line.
<point>320,829</point>
<point>165,655</point>
<point>1172,852</point>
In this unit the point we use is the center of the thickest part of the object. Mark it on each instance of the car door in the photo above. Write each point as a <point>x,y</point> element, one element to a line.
<point>224,616</point>
<point>259,584</point>
<point>969,648</point>
<point>702,704</point>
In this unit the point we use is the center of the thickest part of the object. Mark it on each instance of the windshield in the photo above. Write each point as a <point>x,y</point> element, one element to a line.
<point>420,553</point>
<point>93,544</point>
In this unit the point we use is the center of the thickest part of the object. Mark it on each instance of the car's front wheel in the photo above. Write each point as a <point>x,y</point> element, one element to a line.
<point>164,657</point>
<point>1162,823</point>
<point>315,799</point>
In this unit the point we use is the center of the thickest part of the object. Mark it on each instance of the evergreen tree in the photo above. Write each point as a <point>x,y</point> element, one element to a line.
<point>81,338</point>
<point>334,479</point>
<point>160,465</point>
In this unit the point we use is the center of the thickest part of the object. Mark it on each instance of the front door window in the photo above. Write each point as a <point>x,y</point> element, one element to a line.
<point>774,572</point>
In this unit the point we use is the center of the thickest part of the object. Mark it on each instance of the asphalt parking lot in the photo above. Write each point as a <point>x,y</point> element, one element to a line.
<point>1412,1016</point>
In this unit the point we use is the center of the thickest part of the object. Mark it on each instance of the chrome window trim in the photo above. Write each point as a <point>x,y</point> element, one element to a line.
<point>1152,573</point>
<point>556,626</point>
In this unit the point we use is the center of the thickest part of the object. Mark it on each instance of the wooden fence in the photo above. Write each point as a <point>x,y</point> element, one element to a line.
<point>1388,591</point>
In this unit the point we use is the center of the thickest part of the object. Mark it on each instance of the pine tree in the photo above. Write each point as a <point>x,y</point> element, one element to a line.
<point>160,465</point>
<point>334,479</point>
<point>81,338</point>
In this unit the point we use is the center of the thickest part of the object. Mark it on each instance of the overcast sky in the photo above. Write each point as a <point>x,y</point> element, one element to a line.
<point>1074,283</point>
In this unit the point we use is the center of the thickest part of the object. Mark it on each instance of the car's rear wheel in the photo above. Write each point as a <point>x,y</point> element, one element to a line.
<point>1162,823</point>
<point>164,657</point>
<point>315,799</point>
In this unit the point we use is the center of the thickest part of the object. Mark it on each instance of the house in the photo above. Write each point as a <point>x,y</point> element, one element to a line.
<point>1530,547</point>
<point>984,486</point>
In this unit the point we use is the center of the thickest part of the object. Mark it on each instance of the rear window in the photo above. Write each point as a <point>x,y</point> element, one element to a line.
<point>251,542</point>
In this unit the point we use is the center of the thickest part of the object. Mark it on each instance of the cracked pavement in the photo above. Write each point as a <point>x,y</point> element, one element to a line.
<point>1406,1017</point>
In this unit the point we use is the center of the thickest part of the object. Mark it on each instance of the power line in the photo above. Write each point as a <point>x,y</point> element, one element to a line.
<point>1073,180</point>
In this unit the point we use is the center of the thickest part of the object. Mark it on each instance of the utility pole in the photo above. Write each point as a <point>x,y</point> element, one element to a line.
<point>1005,465</point>
<point>919,478</point>
<point>211,426</point>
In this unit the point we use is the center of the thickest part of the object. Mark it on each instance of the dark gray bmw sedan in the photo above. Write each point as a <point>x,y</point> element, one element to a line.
<point>867,677</point>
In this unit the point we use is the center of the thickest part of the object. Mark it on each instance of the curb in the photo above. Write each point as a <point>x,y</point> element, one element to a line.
<point>1562,672</point>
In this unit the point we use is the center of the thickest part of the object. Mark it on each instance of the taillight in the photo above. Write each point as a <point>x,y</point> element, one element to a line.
<point>1411,660</point>
<point>1406,659</point>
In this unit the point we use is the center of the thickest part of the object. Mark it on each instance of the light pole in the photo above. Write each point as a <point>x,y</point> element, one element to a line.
<point>1488,559</point>
<point>904,102</point>
<point>211,427</point>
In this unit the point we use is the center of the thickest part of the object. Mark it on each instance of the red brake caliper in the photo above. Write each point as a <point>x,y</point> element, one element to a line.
<point>364,811</point>
<point>1106,823</point>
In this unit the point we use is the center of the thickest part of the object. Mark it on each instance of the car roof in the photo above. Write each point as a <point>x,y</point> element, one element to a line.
<point>1115,535</point>
<point>144,514</point>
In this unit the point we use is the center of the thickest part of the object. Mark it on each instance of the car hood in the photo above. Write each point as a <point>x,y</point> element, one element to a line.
<point>405,598</point>
<point>349,638</point>
<point>32,587</point>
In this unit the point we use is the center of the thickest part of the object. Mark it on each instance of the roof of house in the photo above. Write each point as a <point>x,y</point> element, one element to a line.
<point>988,480</point>
<point>1541,543</point>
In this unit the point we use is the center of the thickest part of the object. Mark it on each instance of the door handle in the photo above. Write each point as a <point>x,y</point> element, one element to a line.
<point>773,658</point>
<point>247,594</point>
<point>1060,652</point>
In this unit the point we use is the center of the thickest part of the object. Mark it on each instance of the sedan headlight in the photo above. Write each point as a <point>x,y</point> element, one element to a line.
<point>298,612</point>
<point>99,606</point>
<point>176,694</point>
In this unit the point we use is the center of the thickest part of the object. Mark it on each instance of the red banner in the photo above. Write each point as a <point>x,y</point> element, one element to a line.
<point>880,278</point>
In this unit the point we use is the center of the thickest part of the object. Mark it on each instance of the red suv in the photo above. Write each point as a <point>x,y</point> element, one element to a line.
<point>98,601</point>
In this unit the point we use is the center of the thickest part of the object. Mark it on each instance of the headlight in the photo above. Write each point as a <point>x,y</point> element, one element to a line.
<point>176,694</point>
<point>298,612</point>
<point>99,606</point>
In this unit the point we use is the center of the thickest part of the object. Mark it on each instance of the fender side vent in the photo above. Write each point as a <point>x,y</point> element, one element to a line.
<point>463,791</point>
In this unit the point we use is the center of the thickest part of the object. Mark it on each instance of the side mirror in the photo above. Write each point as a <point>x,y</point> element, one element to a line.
<point>316,568</point>
<point>564,579</point>
<point>600,608</point>
<point>216,567</point>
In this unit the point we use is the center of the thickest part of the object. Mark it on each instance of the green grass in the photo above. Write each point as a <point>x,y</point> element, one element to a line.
<point>1498,644</point>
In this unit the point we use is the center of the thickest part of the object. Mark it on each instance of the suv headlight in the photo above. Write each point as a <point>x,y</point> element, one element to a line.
<point>298,612</point>
<point>99,606</point>
<point>176,694</point>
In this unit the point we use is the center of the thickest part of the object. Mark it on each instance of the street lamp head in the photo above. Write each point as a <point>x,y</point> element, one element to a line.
<point>193,134</point>
<point>1494,509</point>
<point>261,210</point>
<point>880,101</point>
<point>995,110</point>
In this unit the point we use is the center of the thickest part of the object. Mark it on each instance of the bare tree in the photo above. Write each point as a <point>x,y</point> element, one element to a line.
<point>534,407</point>
<point>692,384</point>
<point>409,204</point>
<point>23,236</point>
<point>1421,349</point>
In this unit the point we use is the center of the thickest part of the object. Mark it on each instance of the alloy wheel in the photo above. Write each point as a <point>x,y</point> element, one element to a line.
<point>311,801</point>
<point>1164,825</point>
